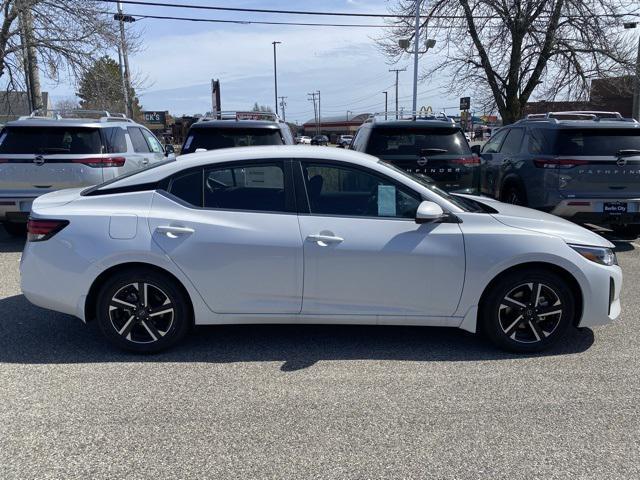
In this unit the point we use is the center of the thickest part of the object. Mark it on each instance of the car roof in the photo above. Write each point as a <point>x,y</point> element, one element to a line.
<point>69,122</point>
<point>413,124</point>
<point>236,154</point>
<point>237,124</point>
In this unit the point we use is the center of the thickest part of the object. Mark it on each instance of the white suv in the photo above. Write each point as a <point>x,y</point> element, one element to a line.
<point>40,154</point>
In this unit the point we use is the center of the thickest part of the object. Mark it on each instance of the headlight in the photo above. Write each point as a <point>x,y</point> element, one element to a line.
<point>601,255</point>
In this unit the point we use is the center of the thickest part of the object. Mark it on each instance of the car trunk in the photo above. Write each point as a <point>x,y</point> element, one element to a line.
<point>35,160</point>
<point>439,153</point>
<point>596,162</point>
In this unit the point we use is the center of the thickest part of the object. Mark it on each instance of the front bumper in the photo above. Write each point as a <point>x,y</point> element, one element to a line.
<point>601,296</point>
<point>590,210</point>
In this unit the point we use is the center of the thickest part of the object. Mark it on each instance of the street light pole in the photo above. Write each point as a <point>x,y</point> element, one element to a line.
<point>416,42</point>
<point>275,73</point>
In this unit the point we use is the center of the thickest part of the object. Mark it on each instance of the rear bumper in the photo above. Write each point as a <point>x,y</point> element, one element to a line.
<point>15,209</point>
<point>590,210</point>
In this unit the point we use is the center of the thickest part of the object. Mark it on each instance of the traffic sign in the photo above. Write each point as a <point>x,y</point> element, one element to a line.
<point>465,103</point>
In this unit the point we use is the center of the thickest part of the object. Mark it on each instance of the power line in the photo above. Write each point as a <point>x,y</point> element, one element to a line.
<point>333,14</point>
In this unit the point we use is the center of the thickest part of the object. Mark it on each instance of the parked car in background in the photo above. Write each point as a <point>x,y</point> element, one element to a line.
<point>300,235</point>
<point>320,140</point>
<point>579,165</point>
<point>43,153</point>
<point>237,129</point>
<point>303,140</point>
<point>434,148</point>
<point>344,141</point>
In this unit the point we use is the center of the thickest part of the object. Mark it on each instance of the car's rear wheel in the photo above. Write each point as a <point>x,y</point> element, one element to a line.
<point>513,194</point>
<point>142,311</point>
<point>16,229</point>
<point>528,310</point>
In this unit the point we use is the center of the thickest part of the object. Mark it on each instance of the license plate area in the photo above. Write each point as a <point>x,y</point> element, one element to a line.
<point>614,208</point>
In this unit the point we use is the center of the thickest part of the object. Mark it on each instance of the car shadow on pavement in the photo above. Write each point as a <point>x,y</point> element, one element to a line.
<point>32,335</point>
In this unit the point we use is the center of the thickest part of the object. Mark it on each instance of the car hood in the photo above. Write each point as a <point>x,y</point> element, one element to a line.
<point>541,222</point>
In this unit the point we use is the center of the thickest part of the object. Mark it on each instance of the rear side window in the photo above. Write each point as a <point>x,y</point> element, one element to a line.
<point>215,138</point>
<point>115,141</point>
<point>596,141</point>
<point>540,141</point>
<point>51,140</point>
<point>188,187</point>
<point>137,139</point>
<point>411,140</point>
<point>246,187</point>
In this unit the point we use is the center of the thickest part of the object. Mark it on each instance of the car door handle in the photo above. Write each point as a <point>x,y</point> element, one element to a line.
<point>326,239</point>
<point>145,161</point>
<point>173,231</point>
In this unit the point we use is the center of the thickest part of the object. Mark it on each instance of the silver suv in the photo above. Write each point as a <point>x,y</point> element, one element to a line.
<point>40,154</point>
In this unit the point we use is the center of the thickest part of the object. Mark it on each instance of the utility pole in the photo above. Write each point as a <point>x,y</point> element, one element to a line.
<point>348,112</point>
<point>283,104</point>
<point>397,71</point>
<point>275,73</point>
<point>385,104</point>
<point>315,110</point>
<point>32,75</point>
<point>122,18</point>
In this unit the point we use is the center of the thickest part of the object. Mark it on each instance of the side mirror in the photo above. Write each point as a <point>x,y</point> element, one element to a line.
<point>475,149</point>
<point>169,149</point>
<point>428,212</point>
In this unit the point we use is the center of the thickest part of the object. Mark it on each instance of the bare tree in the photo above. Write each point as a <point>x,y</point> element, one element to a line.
<point>65,36</point>
<point>502,51</point>
<point>66,104</point>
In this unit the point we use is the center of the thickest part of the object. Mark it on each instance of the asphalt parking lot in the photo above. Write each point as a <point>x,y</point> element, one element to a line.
<point>315,401</point>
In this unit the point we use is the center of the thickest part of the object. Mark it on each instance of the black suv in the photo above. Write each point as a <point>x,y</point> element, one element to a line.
<point>584,166</point>
<point>237,129</point>
<point>433,147</point>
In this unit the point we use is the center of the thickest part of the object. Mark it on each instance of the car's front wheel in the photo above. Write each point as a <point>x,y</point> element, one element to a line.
<point>142,311</point>
<point>528,310</point>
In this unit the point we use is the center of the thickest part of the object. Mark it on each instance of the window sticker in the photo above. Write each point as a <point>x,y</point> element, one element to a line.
<point>386,201</point>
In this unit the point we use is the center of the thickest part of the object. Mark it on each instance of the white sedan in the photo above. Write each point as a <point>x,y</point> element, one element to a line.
<point>292,235</point>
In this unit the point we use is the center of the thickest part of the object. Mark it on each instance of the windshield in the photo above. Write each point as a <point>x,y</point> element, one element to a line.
<point>215,138</point>
<point>50,140</point>
<point>462,203</point>
<point>407,140</point>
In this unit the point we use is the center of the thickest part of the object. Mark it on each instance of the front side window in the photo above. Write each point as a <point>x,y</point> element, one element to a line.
<point>152,141</point>
<point>338,190</point>
<point>50,140</point>
<point>115,140</point>
<point>512,143</point>
<point>137,139</point>
<point>258,187</point>
<point>493,145</point>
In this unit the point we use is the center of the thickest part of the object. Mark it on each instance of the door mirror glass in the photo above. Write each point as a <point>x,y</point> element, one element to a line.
<point>428,212</point>
<point>475,149</point>
<point>168,149</point>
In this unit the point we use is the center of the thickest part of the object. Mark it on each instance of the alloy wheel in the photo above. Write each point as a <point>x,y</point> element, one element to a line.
<point>530,312</point>
<point>141,312</point>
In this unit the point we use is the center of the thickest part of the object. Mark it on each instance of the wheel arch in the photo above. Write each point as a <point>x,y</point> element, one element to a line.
<point>563,273</point>
<point>92,295</point>
<point>513,179</point>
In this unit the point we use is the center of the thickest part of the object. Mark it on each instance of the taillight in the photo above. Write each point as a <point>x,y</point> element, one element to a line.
<point>101,162</point>
<point>472,160</point>
<point>558,162</point>
<point>39,230</point>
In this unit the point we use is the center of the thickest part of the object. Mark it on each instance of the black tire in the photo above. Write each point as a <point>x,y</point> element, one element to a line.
<point>537,327</point>
<point>144,328</point>
<point>16,229</point>
<point>626,230</point>
<point>514,194</point>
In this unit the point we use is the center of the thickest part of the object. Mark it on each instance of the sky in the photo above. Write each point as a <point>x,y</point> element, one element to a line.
<point>179,59</point>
